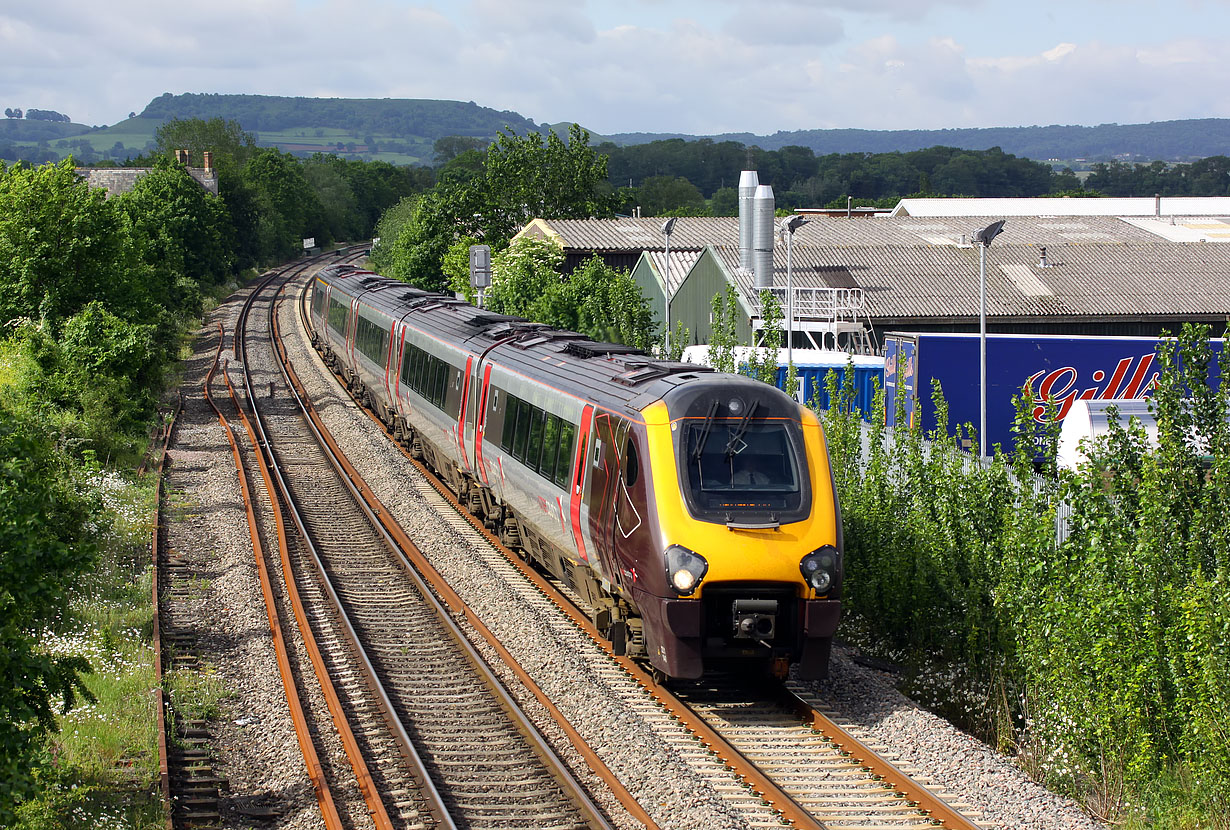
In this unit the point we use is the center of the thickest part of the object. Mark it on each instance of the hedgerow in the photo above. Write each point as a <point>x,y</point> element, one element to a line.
<point>1100,655</point>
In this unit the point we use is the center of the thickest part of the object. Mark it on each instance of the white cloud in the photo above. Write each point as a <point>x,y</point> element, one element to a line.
<point>698,66</point>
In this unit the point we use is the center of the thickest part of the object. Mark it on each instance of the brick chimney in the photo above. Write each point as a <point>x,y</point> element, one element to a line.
<point>209,161</point>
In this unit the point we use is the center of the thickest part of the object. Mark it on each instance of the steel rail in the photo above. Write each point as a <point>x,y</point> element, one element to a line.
<point>324,798</point>
<point>937,811</point>
<point>160,696</point>
<point>354,754</point>
<point>429,582</point>
<point>935,808</point>
<point>760,785</point>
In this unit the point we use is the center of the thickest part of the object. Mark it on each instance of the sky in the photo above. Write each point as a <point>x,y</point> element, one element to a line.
<point>666,66</point>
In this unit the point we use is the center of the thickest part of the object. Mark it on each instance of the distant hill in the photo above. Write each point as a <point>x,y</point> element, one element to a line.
<point>403,131</point>
<point>403,128</point>
<point>1165,140</point>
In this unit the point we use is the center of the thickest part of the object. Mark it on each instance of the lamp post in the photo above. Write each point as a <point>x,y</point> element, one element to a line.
<point>983,238</point>
<point>667,227</point>
<point>789,225</point>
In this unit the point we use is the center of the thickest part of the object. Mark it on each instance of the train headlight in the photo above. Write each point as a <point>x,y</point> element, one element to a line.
<point>684,569</point>
<point>819,568</point>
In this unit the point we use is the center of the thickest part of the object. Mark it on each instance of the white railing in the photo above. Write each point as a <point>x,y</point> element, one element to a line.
<point>818,303</point>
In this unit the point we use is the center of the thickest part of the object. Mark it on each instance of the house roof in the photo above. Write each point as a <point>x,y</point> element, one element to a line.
<point>116,180</point>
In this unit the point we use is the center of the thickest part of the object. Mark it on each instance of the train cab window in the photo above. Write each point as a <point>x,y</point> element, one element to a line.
<point>563,462</point>
<point>632,465</point>
<point>733,467</point>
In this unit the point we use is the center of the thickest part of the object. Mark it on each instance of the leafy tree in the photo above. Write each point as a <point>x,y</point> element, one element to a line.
<point>43,532</point>
<point>62,244</point>
<point>227,140</point>
<point>525,281</point>
<point>722,336</point>
<point>674,195</point>
<point>763,367</point>
<point>522,177</point>
<point>449,147</point>
<point>456,268</point>
<point>288,209</point>
<point>183,229</point>
<point>595,300</point>
<point>610,306</point>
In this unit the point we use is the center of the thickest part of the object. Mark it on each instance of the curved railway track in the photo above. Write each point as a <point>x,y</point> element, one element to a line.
<point>775,759</point>
<point>474,759</point>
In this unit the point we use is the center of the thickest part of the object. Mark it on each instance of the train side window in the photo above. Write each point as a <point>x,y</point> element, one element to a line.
<point>339,314</point>
<point>563,464</point>
<point>407,364</point>
<point>550,447</point>
<point>533,449</point>
<point>632,467</point>
<point>439,382</point>
<point>523,431</point>
<point>510,423</point>
<point>416,381</point>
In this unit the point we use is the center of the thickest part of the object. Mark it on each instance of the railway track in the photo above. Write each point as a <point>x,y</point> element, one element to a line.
<point>465,756</point>
<point>774,761</point>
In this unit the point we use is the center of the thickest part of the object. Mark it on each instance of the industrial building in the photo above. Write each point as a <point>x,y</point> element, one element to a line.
<point>1070,266</point>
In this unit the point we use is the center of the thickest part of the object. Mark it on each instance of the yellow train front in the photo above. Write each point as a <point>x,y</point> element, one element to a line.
<point>747,525</point>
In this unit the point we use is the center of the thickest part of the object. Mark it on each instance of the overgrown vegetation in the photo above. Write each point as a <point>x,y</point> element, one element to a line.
<point>96,295</point>
<point>1101,658</point>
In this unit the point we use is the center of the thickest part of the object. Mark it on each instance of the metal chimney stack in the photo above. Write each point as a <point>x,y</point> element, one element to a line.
<point>762,237</point>
<point>748,182</point>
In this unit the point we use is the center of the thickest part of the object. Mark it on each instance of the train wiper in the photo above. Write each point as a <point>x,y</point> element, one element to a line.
<point>704,431</point>
<point>741,429</point>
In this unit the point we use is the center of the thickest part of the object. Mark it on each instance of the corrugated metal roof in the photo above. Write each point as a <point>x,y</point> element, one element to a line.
<point>681,264</point>
<point>689,233</point>
<point>1137,280</point>
<point>1115,206</point>
<point>912,267</point>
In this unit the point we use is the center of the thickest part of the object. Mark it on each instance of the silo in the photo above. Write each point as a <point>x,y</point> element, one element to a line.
<point>748,182</point>
<point>762,237</point>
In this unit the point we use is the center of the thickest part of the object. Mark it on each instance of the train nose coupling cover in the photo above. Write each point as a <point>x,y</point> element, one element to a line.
<point>755,619</point>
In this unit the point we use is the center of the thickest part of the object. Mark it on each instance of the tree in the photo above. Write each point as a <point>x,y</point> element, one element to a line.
<point>595,300</point>
<point>520,177</point>
<point>183,229</point>
<point>610,306</point>
<point>450,146</point>
<point>226,139</point>
<point>12,113</point>
<point>525,280</point>
<point>47,115</point>
<point>722,336</point>
<point>675,195</point>
<point>62,244</point>
<point>43,532</point>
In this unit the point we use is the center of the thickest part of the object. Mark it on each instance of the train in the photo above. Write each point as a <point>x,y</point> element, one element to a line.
<point>693,513</point>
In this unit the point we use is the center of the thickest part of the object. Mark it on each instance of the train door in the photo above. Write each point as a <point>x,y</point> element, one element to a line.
<point>578,509</point>
<point>633,544</point>
<point>609,434</point>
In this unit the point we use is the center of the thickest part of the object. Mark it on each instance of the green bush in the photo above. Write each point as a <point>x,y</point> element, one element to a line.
<point>1103,658</point>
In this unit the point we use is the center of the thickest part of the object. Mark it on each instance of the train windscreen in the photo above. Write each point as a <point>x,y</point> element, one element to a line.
<point>742,466</point>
